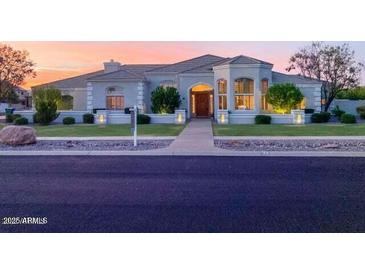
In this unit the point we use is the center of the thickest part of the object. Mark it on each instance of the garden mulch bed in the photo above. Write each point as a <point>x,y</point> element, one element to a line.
<point>291,145</point>
<point>89,145</point>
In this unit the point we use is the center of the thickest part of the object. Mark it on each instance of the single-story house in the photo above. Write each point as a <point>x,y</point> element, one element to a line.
<point>207,84</point>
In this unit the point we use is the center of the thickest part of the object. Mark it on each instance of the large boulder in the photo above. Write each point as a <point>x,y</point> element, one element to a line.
<point>18,135</point>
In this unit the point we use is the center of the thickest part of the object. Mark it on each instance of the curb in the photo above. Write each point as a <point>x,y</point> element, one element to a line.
<point>162,152</point>
<point>105,138</point>
<point>289,138</point>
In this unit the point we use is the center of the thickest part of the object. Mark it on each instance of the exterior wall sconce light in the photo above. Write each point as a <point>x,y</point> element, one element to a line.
<point>180,116</point>
<point>222,117</point>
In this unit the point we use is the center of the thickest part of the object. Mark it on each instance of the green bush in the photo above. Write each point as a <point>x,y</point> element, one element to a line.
<point>338,112</point>
<point>46,101</point>
<point>21,121</point>
<point>308,110</point>
<point>143,119</point>
<point>88,118</point>
<point>9,118</point>
<point>68,120</point>
<point>347,118</point>
<point>352,94</point>
<point>262,120</point>
<point>165,100</point>
<point>284,97</point>
<point>321,117</point>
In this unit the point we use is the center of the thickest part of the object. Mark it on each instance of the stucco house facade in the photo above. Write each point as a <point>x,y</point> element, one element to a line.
<point>207,84</point>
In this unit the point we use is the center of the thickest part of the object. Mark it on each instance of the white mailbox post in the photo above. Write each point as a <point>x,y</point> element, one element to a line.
<point>134,113</point>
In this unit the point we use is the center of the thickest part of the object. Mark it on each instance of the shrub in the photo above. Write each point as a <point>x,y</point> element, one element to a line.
<point>21,121</point>
<point>284,97</point>
<point>46,101</point>
<point>308,110</point>
<point>263,119</point>
<point>338,112</point>
<point>347,118</point>
<point>143,119</point>
<point>321,117</point>
<point>352,94</point>
<point>165,100</point>
<point>361,111</point>
<point>68,120</point>
<point>127,110</point>
<point>88,118</point>
<point>9,118</point>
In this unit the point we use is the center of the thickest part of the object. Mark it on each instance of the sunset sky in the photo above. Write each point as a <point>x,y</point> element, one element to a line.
<point>57,60</point>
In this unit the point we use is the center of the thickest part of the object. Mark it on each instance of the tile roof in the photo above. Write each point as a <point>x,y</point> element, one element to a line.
<point>278,77</point>
<point>119,74</point>
<point>189,64</point>
<point>205,68</point>
<point>72,82</point>
<point>242,59</point>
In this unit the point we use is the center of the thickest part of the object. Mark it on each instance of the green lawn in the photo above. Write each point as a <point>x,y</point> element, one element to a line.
<point>290,130</point>
<point>109,130</point>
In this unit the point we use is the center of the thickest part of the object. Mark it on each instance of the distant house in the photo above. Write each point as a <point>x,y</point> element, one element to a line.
<point>206,84</point>
<point>24,100</point>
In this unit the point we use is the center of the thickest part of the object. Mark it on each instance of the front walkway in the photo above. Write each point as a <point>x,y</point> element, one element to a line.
<point>196,137</point>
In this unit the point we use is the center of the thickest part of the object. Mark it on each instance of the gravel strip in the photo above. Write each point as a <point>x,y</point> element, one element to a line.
<point>291,145</point>
<point>89,145</point>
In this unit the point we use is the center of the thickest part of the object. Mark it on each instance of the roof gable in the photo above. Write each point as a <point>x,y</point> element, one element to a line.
<point>245,60</point>
<point>189,64</point>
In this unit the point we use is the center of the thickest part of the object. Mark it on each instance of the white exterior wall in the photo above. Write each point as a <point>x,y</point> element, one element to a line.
<point>129,90</point>
<point>348,105</point>
<point>312,94</point>
<point>79,97</point>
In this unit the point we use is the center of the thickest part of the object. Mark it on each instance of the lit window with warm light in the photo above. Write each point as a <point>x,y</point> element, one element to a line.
<point>244,94</point>
<point>222,94</point>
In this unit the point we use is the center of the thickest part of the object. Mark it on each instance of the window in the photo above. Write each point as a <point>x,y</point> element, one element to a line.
<point>222,94</point>
<point>243,94</point>
<point>167,83</point>
<point>264,88</point>
<point>115,102</point>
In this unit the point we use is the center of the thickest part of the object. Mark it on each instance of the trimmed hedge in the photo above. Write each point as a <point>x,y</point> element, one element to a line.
<point>143,119</point>
<point>10,118</point>
<point>321,117</point>
<point>338,112</point>
<point>347,118</point>
<point>309,110</point>
<point>21,121</point>
<point>262,120</point>
<point>68,120</point>
<point>88,118</point>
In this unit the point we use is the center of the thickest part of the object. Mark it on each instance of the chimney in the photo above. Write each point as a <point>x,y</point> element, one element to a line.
<point>111,66</point>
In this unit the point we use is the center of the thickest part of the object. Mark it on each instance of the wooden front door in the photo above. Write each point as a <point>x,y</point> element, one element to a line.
<point>202,105</point>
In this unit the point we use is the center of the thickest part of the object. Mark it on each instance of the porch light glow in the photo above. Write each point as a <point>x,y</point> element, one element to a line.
<point>101,119</point>
<point>222,118</point>
<point>179,118</point>
<point>298,119</point>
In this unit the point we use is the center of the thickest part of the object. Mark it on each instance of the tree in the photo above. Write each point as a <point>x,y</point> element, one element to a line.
<point>334,65</point>
<point>165,100</point>
<point>46,101</point>
<point>284,97</point>
<point>14,68</point>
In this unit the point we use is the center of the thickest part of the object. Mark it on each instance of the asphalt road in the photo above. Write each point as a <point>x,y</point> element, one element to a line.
<point>183,194</point>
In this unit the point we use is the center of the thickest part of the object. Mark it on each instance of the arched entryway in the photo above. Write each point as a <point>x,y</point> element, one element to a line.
<point>201,101</point>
